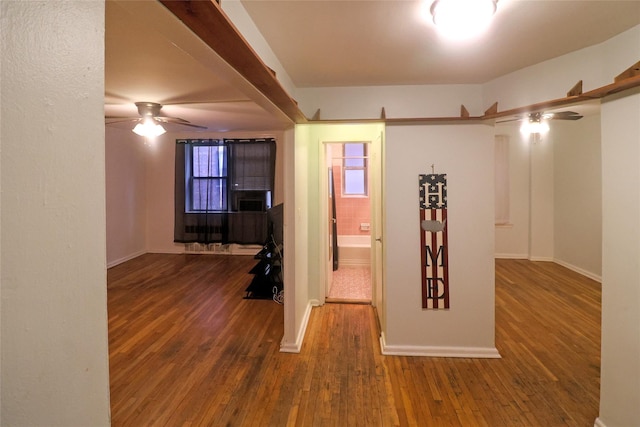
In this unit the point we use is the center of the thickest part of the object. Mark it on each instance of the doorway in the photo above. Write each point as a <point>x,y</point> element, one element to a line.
<point>349,212</point>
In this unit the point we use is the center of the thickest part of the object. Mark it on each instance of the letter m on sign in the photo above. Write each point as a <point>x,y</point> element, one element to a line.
<point>433,241</point>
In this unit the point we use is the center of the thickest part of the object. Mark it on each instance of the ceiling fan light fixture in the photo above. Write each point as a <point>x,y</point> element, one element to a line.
<point>462,19</point>
<point>149,128</point>
<point>534,126</point>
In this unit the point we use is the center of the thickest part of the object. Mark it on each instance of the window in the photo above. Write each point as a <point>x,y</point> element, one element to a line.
<point>229,175</point>
<point>208,178</point>
<point>223,189</point>
<point>354,169</point>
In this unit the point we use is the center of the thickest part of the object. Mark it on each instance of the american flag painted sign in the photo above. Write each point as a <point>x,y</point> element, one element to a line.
<point>433,241</point>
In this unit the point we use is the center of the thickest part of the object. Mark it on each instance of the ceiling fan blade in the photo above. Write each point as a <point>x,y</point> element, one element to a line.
<point>178,121</point>
<point>120,119</point>
<point>566,115</point>
<point>161,117</point>
<point>190,125</point>
<point>151,111</point>
<point>578,117</point>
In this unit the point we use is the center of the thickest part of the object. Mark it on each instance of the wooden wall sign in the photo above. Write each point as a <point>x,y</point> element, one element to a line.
<point>433,241</point>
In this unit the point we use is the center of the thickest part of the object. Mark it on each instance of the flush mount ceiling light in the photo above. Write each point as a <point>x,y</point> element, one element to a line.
<point>462,19</point>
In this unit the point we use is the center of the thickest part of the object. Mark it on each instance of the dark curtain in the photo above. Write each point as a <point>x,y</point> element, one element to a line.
<point>223,191</point>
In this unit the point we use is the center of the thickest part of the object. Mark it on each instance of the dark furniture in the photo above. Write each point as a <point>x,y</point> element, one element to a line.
<point>267,282</point>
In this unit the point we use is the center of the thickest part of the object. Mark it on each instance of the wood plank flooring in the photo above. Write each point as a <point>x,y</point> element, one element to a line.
<point>187,350</point>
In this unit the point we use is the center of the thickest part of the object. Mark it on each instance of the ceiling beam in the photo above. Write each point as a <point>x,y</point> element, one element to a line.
<point>207,20</point>
<point>598,93</point>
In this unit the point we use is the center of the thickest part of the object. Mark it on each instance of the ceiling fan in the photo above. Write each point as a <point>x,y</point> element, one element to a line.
<point>536,122</point>
<point>150,120</point>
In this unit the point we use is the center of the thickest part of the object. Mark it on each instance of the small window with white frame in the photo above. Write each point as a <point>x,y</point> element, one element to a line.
<point>354,170</point>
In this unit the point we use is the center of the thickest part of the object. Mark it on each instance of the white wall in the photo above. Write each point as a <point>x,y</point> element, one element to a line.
<point>160,178</point>
<point>466,155</point>
<point>297,307</point>
<point>398,101</point>
<point>126,195</point>
<point>620,365</point>
<point>578,195</point>
<point>541,209</point>
<point>53,284</point>
<point>596,66</point>
<point>290,266</point>
<point>512,240</point>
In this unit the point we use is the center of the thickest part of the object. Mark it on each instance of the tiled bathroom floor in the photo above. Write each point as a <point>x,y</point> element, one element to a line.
<point>351,283</point>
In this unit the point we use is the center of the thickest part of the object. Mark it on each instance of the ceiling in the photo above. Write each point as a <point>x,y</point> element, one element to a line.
<point>388,42</point>
<point>151,56</point>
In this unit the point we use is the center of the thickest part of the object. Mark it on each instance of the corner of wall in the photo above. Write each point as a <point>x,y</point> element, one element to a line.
<point>296,346</point>
<point>599,423</point>
<point>438,351</point>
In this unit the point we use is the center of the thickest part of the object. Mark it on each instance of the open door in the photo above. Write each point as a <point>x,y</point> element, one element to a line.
<point>332,259</point>
<point>377,218</point>
<point>350,233</point>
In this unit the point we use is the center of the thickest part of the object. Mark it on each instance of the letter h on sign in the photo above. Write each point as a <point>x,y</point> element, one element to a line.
<point>433,241</point>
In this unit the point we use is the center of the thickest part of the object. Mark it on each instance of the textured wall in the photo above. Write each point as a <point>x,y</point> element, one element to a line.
<point>620,367</point>
<point>53,284</point>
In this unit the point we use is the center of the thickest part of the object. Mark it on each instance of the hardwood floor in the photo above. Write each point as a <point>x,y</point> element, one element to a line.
<point>187,350</point>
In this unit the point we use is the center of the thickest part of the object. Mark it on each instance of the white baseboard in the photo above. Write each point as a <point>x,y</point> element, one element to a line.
<point>125,259</point>
<point>354,262</point>
<point>176,251</point>
<point>541,259</point>
<point>433,351</point>
<point>296,346</point>
<point>511,256</point>
<point>580,271</point>
<point>599,423</point>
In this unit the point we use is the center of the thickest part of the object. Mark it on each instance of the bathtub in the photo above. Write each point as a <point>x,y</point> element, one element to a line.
<point>354,250</point>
